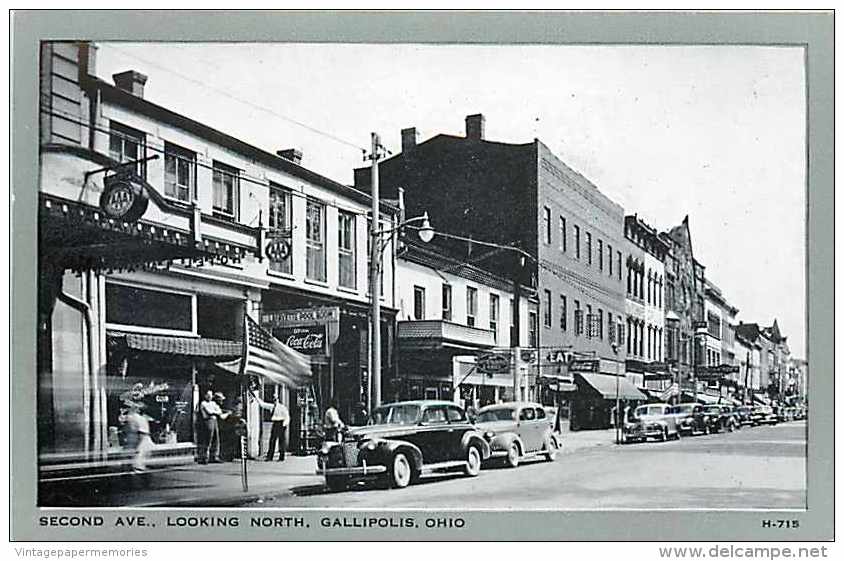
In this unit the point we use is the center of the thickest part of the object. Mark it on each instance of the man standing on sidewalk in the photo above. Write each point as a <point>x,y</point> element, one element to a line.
<point>280,419</point>
<point>210,413</point>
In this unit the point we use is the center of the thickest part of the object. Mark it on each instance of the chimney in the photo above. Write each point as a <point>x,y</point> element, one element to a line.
<point>475,126</point>
<point>408,139</point>
<point>131,81</point>
<point>291,155</point>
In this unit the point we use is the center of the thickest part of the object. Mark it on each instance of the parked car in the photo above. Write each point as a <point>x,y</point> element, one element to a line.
<point>743,415</point>
<point>690,419</point>
<point>799,413</point>
<point>764,415</point>
<point>402,441</point>
<point>654,420</point>
<point>518,430</point>
<point>721,418</point>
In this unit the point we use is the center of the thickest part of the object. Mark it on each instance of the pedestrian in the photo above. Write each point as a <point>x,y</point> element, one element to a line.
<point>211,413</point>
<point>360,417</point>
<point>281,419</point>
<point>137,425</point>
<point>331,422</point>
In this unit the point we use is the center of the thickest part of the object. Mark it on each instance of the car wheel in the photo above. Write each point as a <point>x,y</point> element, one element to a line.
<point>336,483</point>
<point>512,459</point>
<point>550,449</point>
<point>401,471</point>
<point>473,462</point>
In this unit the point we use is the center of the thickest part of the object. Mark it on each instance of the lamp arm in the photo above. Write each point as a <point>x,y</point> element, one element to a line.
<point>401,224</point>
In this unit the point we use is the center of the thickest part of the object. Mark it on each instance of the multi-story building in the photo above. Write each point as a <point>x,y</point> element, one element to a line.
<point>523,195</point>
<point>158,233</point>
<point>645,305</point>
<point>719,340</point>
<point>780,358</point>
<point>683,304</point>
<point>450,313</point>
<point>799,375</point>
<point>748,358</point>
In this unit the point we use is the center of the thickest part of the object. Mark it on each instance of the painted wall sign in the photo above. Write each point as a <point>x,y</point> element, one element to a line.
<point>309,340</point>
<point>124,197</point>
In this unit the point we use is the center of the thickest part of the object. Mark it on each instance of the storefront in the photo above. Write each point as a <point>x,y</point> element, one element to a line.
<point>596,399</point>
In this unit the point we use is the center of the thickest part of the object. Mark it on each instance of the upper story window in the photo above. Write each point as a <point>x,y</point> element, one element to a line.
<point>618,264</point>
<point>418,302</point>
<point>546,224</point>
<point>609,258</point>
<point>600,324</point>
<point>590,322</point>
<point>346,244</point>
<point>493,315</point>
<point>533,329</point>
<point>546,309</point>
<point>563,311</point>
<point>179,173</point>
<point>471,305</point>
<point>577,241</point>
<point>226,189</point>
<point>281,218</point>
<point>126,144</point>
<point>563,236</point>
<point>315,240</point>
<point>578,318</point>
<point>588,248</point>
<point>446,305</point>
<point>600,255</point>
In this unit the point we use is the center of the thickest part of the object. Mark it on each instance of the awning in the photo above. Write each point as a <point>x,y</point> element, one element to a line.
<point>611,387</point>
<point>174,345</point>
<point>762,398</point>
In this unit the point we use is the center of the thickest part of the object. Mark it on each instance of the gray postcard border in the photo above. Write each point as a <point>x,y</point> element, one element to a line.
<point>814,30</point>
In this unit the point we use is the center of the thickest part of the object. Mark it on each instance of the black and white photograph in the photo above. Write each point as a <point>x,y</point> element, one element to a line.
<point>440,277</point>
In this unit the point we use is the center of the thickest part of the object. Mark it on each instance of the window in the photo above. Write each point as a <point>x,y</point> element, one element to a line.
<point>315,240</point>
<point>346,254</point>
<point>563,311</point>
<point>590,327</point>
<point>446,305</point>
<point>281,218</point>
<point>609,258</point>
<point>434,415</point>
<point>455,415</point>
<point>126,144</point>
<point>546,308</point>
<point>493,315</point>
<point>471,305</point>
<point>533,327</point>
<point>588,248</point>
<point>563,236</point>
<point>226,188</point>
<point>152,309</point>
<point>618,264</point>
<point>610,328</point>
<point>179,173</point>
<point>527,414</point>
<point>546,223</point>
<point>577,241</point>
<point>578,318</point>
<point>600,255</point>
<point>600,324</point>
<point>418,302</point>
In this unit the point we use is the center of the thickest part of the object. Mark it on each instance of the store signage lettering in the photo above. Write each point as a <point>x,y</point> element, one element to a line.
<point>493,363</point>
<point>124,197</point>
<point>322,315</point>
<point>307,340</point>
<point>580,365</point>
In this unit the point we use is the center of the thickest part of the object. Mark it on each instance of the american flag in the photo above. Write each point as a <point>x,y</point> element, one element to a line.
<point>268,357</point>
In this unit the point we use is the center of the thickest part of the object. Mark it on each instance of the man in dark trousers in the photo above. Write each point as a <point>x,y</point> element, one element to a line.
<point>280,418</point>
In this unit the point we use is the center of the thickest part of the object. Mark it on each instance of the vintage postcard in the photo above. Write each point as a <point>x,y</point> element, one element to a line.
<point>432,276</point>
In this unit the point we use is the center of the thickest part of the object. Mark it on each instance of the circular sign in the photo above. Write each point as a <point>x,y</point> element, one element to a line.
<point>123,198</point>
<point>493,363</point>
<point>278,250</point>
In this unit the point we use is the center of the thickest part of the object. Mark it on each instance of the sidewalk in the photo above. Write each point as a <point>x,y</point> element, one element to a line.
<point>195,485</point>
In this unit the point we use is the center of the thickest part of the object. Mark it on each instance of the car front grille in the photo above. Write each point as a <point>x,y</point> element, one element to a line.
<point>344,455</point>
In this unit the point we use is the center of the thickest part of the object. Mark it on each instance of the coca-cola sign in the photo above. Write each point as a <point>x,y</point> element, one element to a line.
<point>309,340</point>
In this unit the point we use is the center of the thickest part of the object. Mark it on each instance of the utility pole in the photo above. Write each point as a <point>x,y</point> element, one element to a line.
<point>515,336</point>
<point>374,381</point>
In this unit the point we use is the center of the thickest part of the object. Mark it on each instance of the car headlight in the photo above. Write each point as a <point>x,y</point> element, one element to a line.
<point>369,445</point>
<point>325,448</point>
<point>489,435</point>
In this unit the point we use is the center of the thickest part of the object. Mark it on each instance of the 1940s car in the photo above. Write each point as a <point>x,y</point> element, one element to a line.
<point>401,441</point>
<point>517,431</point>
<point>655,420</point>
<point>721,417</point>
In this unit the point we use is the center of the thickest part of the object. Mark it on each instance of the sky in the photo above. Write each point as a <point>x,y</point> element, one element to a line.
<point>715,132</point>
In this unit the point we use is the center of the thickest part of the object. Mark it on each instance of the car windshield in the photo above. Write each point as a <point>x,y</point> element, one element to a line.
<point>684,409</point>
<point>492,415</point>
<point>712,408</point>
<point>395,415</point>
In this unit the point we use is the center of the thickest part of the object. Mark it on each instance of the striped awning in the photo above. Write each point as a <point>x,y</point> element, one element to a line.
<point>174,345</point>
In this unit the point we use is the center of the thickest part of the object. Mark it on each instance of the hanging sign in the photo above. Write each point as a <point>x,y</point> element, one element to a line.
<point>278,250</point>
<point>309,340</point>
<point>124,197</point>
<point>493,363</point>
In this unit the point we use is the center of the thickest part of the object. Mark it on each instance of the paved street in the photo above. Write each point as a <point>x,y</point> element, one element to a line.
<point>752,468</point>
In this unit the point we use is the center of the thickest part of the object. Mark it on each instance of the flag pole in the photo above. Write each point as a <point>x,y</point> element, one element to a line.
<point>244,438</point>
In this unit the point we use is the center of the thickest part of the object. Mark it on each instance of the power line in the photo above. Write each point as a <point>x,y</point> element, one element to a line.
<point>241,100</point>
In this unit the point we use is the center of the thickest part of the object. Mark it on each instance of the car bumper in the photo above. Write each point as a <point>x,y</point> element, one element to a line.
<point>360,470</point>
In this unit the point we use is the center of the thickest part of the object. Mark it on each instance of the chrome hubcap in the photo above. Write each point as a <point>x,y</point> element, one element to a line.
<point>401,471</point>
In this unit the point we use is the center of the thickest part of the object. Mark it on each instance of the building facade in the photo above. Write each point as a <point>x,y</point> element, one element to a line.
<point>644,274</point>
<point>167,232</point>
<point>719,347</point>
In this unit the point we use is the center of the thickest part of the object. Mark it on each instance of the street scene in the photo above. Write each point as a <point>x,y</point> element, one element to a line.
<point>476,314</point>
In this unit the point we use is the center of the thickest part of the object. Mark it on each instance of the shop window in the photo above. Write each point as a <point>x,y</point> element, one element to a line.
<point>315,239</point>
<point>418,303</point>
<point>126,144</point>
<point>179,173</point>
<point>281,218</point>
<point>130,306</point>
<point>346,249</point>
<point>226,190</point>
<point>471,305</point>
<point>446,302</point>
